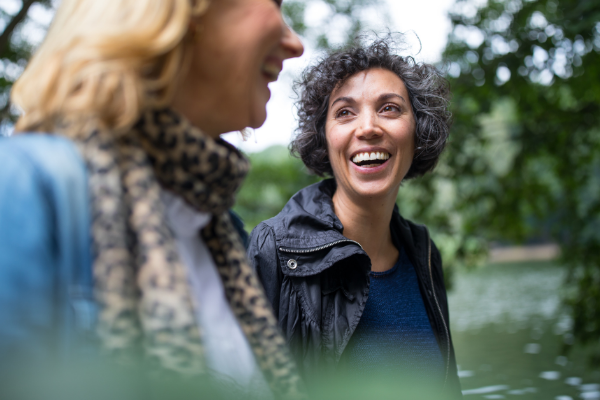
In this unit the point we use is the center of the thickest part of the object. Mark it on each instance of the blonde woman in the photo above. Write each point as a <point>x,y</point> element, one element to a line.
<point>115,188</point>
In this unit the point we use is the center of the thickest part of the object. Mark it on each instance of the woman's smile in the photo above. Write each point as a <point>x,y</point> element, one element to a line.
<point>271,68</point>
<point>371,160</point>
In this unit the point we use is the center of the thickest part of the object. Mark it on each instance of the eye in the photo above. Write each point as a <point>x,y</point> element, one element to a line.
<point>390,108</point>
<point>342,113</point>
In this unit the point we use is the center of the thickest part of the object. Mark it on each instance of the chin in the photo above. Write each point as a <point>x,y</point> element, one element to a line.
<point>258,118</point>
<point>376,189</point>
<point>258,113</point>
<point>371,191</point>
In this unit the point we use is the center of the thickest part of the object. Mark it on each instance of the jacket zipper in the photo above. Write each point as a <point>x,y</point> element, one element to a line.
<point>325,246</point>
<point>439,308</point>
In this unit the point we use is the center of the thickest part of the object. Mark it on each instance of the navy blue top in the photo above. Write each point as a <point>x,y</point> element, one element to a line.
<point>394,332</point>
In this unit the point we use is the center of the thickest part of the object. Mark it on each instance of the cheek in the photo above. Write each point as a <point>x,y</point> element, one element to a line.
<point>334,144</point>
<point>336,152</point>
<point>336,136</point>
<point>411,140</point>
<point>408,149</point>
<point>406,137</point>
<point>263,33</point>
<point>409,143</point>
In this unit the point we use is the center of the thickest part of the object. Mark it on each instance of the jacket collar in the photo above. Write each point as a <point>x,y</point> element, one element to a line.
<point>316,201</point>
<point>309,234</point>
<point>308,220</point>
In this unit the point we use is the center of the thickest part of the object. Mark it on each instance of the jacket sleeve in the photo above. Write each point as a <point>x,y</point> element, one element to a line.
<point>27,254</point>
<point>262,252</point>
<point>439,281</point>
<point>453,386</point>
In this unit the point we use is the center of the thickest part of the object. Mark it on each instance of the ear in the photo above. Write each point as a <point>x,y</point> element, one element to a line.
<point>199,7</point>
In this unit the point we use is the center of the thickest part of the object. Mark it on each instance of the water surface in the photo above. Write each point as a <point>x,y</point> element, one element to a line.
<point>509,328</point>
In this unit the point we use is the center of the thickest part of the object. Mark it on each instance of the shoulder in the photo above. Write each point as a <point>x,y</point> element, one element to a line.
<point>262,236</point>
<point>412,235</point>
<point>307,212</point>
<point>262,253</point>
<point>46,157</point>
<point>42,180</point>
<point>44,241</point>
<point>417,241</point>
<point>262,248</point>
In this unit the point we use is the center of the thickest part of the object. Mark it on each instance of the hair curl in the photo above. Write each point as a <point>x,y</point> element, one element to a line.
<point>428,91</point>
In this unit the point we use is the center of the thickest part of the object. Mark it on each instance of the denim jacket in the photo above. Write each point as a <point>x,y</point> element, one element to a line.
<point>46,296</point>
<point>47,308</point>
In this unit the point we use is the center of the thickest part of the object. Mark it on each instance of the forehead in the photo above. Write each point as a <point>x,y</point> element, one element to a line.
<point>370,83</point>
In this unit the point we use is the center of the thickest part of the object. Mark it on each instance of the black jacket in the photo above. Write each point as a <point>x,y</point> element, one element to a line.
<point>318,280</point>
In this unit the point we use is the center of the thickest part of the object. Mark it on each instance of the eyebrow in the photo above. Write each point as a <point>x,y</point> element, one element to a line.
<point>385,96</point>
<point>346,99</point>
<point>388,96</point>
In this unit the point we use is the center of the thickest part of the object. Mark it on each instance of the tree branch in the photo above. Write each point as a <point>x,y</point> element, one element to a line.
<point>16,20</point>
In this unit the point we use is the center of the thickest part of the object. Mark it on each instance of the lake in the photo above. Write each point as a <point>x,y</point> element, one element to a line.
<point>509,329</point>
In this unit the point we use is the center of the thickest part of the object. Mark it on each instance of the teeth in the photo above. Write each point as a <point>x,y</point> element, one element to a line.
<point>271,70</point>
<point>370,156</point>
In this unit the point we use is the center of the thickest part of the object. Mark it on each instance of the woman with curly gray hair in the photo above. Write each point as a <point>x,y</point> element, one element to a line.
<point>355,286</point>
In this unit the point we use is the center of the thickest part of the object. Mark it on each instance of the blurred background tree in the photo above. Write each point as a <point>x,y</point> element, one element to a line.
<point>524,154</point>
<point>347,19</point>
<point>273,179</point>
<point>16,48</point>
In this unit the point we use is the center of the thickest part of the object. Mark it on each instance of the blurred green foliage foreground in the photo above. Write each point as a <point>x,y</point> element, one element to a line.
<point>523,161</point>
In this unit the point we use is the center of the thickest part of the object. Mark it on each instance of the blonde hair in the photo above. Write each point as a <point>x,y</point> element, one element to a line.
<point>104,62</point>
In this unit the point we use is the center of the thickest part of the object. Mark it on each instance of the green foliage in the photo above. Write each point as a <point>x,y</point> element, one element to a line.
<point>531,165</point>
<point>274,178</point>
<point>15,50</point>
<point>344,20</point>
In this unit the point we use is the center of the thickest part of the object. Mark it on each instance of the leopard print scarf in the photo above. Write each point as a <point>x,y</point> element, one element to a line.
<point>141,283</point>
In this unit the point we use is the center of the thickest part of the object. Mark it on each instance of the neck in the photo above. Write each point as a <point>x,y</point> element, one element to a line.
<point>183,158</point>
<point>367,221</point>
<point>199,117</point>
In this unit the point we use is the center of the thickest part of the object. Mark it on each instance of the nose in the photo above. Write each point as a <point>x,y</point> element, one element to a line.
<point>291,43</point>
<point>368,128</point>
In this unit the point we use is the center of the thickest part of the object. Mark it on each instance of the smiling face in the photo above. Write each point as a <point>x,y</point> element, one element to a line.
<point>370,133</point>
<point>238,49</point>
